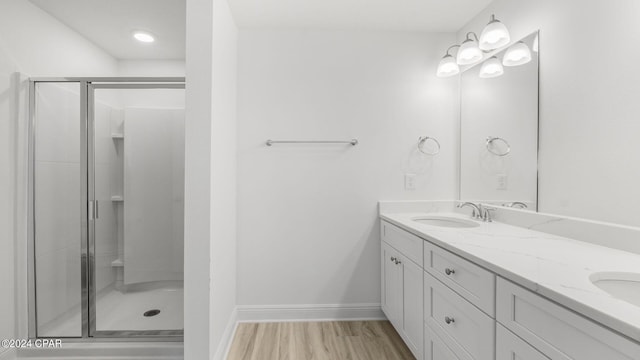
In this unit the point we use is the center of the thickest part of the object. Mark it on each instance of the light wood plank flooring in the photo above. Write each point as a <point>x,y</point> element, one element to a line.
<point>331,340</point>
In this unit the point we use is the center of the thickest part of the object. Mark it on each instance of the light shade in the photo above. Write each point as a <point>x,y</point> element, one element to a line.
<point>491,68</point>
<point>469,53</point>
<point>143,36</point>
<point>495,35</point>
<point>518,54</point>
<point>448,67</point>
<point>536,44</point>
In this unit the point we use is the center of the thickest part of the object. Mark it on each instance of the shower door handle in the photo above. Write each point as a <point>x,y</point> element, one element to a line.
<point>93,210</point>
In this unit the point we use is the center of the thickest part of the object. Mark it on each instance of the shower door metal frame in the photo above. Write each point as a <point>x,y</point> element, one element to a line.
<point>88,201</point>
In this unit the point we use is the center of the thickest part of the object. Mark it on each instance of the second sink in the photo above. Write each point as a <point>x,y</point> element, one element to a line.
<point>623,286</point>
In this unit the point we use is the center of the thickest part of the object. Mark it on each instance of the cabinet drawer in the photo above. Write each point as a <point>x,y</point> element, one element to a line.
<point>510,347</point>
<point>406,243</point>
<point>435,348</point>
<point>472,282</point>
<point>466,330</point>
<point>558,333</point>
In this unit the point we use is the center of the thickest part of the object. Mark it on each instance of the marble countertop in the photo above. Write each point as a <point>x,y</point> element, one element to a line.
<point>555,267</point>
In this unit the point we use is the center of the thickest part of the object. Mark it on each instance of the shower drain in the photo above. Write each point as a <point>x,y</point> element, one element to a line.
<point>150,313</point>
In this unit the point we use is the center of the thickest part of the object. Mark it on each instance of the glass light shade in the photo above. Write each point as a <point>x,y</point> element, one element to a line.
<point>495,35</point>
<point>518,54</point>
<point>469,53</point>
<point>536,44</point>
<point>491,68</point>
<point>448,67</point>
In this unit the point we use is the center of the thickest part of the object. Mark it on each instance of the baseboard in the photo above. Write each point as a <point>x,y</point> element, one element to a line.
<point>227,337</point>
<point>311,312</point>
<point>9,354</point>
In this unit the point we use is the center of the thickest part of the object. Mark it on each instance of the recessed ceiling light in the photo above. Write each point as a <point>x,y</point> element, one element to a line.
<point>143,36</point>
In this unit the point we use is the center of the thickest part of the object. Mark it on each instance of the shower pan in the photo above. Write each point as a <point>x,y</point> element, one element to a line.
<point>106,208</point>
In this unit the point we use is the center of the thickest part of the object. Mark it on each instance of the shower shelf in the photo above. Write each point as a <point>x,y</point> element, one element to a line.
<point>117,263</point>
<point>117,198</point>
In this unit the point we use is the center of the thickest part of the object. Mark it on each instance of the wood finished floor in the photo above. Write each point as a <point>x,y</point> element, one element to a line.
<point>331,340</point>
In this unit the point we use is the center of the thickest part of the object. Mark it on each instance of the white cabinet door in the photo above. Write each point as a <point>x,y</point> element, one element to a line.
<point>435,348</point>
<point>558,333</point>
<point>392,285</point>
<point>412,294</point>
<point>509,347</point>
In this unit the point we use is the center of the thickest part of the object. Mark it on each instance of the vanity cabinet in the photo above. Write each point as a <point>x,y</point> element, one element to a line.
<point>557,332</point>
<point>510,347</point>
<point>402,288</point>
<point>465,329</point>
<point>446,307</point>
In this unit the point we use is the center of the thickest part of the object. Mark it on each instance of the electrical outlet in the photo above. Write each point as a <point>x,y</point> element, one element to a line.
<point>501,183</point>
<point>410,181</point>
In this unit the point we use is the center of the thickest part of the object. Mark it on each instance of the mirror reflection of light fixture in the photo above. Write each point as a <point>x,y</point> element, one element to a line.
<point>518,54</point>
<point>494,35</point>
<point>448,65</point>
<point>491,68</point>
<point>469,52</point>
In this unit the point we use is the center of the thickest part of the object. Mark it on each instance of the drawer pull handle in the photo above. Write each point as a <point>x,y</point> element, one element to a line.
<point>449,320</point>
<point>398,262</point>
<point>393,259</point>
<point>449,271</point>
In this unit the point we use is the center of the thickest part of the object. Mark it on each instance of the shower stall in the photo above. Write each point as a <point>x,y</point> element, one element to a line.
<point>106,208</point>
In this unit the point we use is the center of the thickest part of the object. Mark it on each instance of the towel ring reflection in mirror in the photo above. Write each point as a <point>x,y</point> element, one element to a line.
<point>423,140</point>
<point>490,147</point>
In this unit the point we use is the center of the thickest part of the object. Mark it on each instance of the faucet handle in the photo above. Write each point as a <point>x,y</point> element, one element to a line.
<point>487,214</point>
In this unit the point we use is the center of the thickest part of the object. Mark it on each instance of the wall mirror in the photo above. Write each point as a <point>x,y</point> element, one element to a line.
<point>499,127</point>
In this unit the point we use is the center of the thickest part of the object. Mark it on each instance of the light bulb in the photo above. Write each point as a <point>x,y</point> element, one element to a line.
<point>494,35</point>
<point>143,36</point>
<point>469,53</point>
<point>448,67</point>
<point>518,54</point>
<point>491,68</point>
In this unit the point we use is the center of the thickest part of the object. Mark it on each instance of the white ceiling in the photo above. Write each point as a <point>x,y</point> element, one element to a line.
<point>426,15</point>
<point>109,23</point>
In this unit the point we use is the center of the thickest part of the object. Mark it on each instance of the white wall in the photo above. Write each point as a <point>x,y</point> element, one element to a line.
<point>307,229</point>
<point>223,176</point>
<point>7,173</point>
<point>588,102</point>
<point>197,198</point>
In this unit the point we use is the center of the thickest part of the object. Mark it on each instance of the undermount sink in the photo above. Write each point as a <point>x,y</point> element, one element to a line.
<point>445,221</point>
<point>622,286</point>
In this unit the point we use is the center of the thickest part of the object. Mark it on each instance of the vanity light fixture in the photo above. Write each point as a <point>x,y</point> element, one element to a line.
<point>535,44</point>
<point>491,68</point>
<point>469,52</point>
<point>518,54</point>
<point>143,36</point>
<point>494,35</point>
<point>448,65</point>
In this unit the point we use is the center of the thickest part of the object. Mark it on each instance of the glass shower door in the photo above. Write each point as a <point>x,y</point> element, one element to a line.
<point>106,208</point>
<point>136,241</point>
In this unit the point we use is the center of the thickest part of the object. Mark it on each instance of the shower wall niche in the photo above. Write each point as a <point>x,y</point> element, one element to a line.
<point>107,212</point>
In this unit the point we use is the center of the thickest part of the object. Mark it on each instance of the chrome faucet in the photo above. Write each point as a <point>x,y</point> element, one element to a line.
<point>486,213</point>
<point>516,204</point>
<point>477,212</point>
